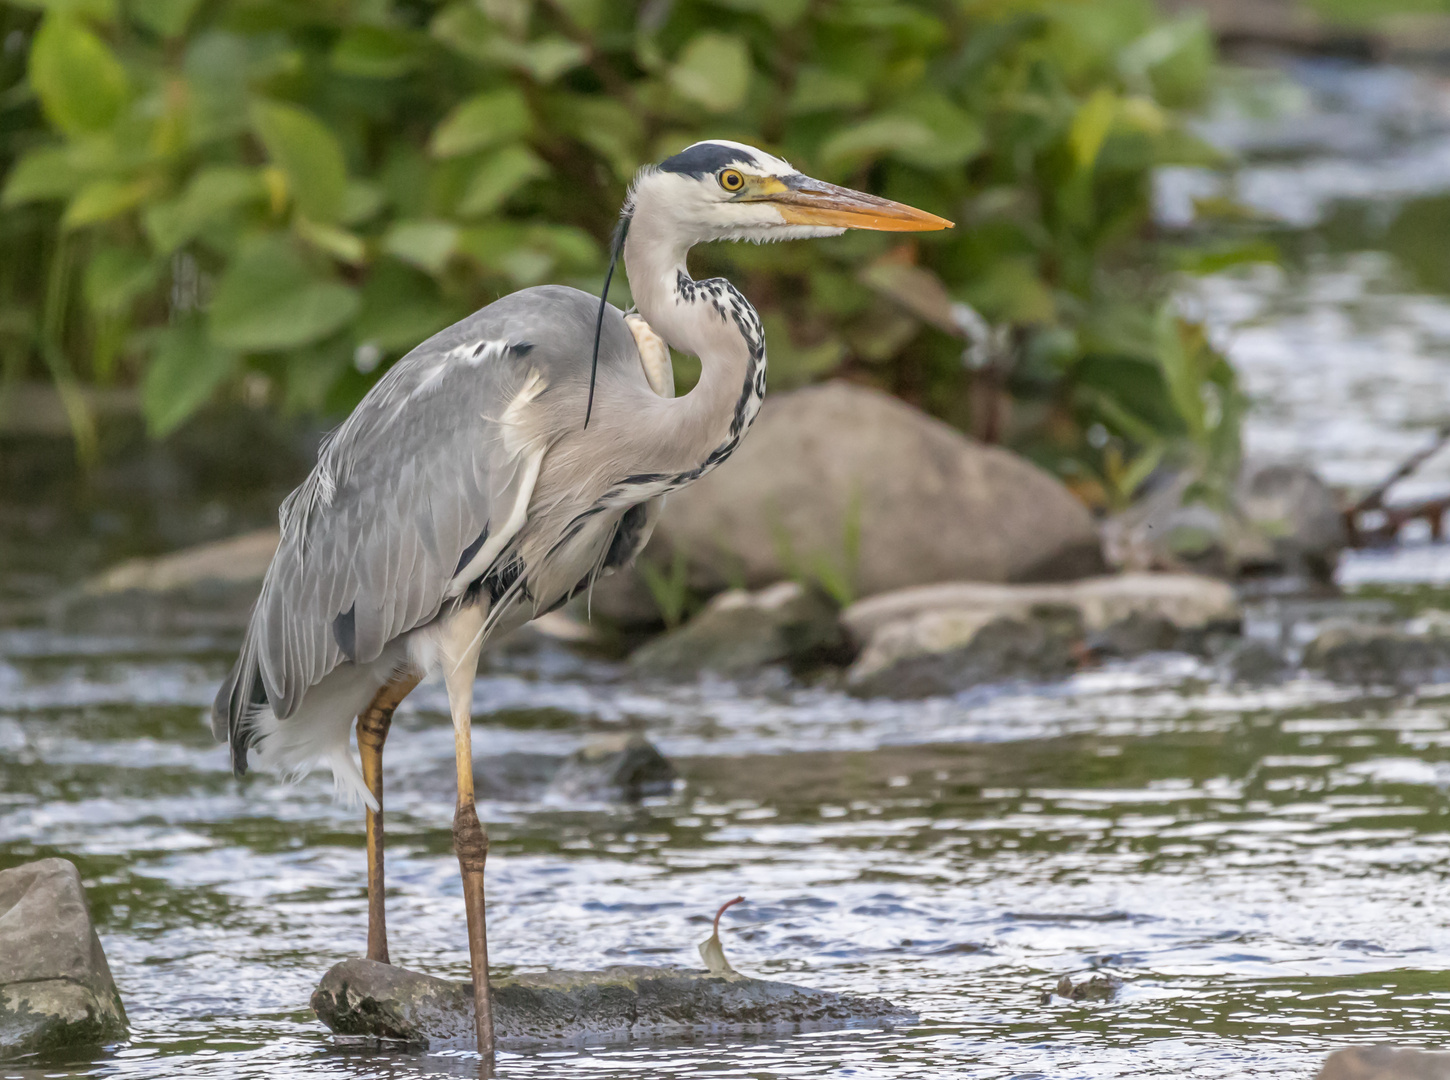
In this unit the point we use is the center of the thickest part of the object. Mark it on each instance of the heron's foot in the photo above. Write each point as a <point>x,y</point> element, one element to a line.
<point>654,354</point>
<point>470,842</point>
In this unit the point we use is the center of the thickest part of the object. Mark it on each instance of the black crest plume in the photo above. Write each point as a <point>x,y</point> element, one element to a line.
<point>616,246</point>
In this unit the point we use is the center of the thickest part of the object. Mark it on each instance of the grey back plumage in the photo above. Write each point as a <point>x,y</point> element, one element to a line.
<point>405,491</point>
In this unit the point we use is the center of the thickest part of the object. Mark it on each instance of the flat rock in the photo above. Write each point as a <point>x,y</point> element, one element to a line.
<point>362,998</point>
<point>1385,1063</point>
<point>914,640</point>
<point>740,632</point>
<point>885,495</point>
<point>56,990</point>
<point>237,560</point>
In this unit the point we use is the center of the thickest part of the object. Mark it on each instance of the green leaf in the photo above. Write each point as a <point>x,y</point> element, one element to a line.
<point>544,58</point>
<point>499,176</point>
<point>47,172</point>
<point>956,137</point>
<point>165,18</point>
<point>713,70</point>
<point>483,120</point>
<point>426,244</point>
<point>115,277</point>
<point>184,372</point>
<point>608,127</point>
<point>268,300</point>
<point>81,85</point>
<point>213,195</point>
<point>779,13</point>
<point>878,136</point>
<point>308,153</point>
<point>361,202</point>
<point>99,10</point>
<point>312,372</point>
<point>375,52</point>
<point>1090,127</point>
<point>818,89</point>
<point>339,243</point>
<point>103,200</point>
<point>400,307</point>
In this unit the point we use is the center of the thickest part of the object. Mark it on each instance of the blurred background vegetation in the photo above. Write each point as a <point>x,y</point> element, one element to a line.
<point>272,200</point>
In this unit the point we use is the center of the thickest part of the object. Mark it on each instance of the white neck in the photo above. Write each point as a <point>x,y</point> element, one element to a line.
<point>708,319</point>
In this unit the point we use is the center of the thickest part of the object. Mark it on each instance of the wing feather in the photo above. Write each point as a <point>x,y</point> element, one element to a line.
<point>442,447</point>
<point>410,479</point>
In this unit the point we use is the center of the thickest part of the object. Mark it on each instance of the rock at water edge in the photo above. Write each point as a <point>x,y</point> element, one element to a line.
<point>739,633</point>
<point>362,998</point>
<point>1385,1063</point>
<point>56,990</point>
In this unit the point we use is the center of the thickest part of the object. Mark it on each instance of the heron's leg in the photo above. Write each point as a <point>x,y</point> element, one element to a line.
<point>462,639</point>
<point>372,731</point>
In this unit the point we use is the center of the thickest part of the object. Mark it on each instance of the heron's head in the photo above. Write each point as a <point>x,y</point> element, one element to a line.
<point>722,190</point>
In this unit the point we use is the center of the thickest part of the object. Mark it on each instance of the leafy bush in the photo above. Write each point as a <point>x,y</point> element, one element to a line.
<point>275,198</point>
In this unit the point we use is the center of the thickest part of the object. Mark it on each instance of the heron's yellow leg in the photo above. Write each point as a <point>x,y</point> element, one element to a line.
<point>372,731</point>
<point>461,641</point>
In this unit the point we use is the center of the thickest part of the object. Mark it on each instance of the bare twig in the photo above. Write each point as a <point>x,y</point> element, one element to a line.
<point>1432,511</point>
<point>728,903</point>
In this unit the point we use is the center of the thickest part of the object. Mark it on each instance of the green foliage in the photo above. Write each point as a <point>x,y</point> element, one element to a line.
<point>669,588</point>
<point>295,193</point>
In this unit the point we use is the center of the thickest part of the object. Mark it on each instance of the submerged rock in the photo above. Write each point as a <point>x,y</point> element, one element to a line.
<point>363,998</point>
<point>613,768</point>
<point>1373,655</point>
<point>56,990</point>
<point>886,495</point>
<point>1385,1063</point>
<point>608,768</point>
<point>1254,662</point>
<point>1096,988</point>
<point>740,632</point>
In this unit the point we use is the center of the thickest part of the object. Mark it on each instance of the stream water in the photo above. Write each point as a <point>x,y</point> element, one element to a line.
<point>1264,869</point>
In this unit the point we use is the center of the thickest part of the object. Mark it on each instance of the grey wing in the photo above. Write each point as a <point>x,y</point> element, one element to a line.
<point>413,497</point>
<point>400,502</point>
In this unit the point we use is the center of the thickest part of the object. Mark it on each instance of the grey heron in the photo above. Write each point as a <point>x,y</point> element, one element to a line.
<point>495,471</point>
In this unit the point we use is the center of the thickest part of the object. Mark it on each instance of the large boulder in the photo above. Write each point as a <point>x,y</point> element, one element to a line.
<point>858,481</point>
<point>56,990</point>
<point>363,998</point>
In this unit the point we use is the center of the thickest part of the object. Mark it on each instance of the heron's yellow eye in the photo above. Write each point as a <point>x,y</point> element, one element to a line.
<point>731,180</point>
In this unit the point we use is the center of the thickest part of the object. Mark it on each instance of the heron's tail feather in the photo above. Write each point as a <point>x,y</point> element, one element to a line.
<point>237,703</point>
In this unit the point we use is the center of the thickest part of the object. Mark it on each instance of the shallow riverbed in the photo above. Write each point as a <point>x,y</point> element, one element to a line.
<point>1264,869</point>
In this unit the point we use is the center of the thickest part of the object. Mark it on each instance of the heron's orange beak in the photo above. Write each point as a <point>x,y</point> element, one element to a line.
<point>803,201</point>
